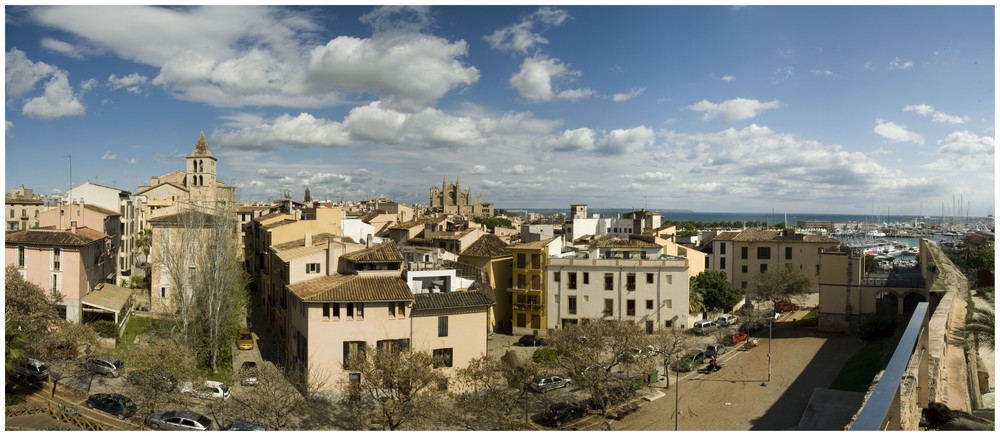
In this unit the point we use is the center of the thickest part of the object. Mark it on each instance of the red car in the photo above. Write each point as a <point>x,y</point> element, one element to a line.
<point>786,306</point>
<point>735,337</point>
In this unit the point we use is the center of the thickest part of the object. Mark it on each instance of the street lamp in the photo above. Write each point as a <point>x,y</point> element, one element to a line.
<point>677,398</point>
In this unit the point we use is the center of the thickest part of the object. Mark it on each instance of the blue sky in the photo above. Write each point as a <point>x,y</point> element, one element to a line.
<point>714,109</point>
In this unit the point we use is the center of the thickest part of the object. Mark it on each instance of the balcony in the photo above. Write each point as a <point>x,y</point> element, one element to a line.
<point>535,308</point>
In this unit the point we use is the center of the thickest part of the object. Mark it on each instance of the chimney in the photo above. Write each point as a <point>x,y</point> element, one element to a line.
<point>309,239</point>
<point>368,241</point>
<point>72,226</point>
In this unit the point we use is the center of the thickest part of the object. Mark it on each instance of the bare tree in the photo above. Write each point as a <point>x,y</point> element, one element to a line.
<point>59,348</point>
<point>671,344</point>
<point>779,284</point>
<point>176,254</point>
<point>151,364</point>
<point>221,298</point>
<point>488,402</point>
<point>394,389</point>
<point>603,355</point>
<point>277,396</point>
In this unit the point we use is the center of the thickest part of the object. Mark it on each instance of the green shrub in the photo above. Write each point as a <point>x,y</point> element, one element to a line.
<point>877,327</point>
<point>544,355</point>
<point>12,398</point>
<point>106,329</point>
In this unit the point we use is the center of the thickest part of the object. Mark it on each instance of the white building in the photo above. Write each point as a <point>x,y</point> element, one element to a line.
<point>120,201</point>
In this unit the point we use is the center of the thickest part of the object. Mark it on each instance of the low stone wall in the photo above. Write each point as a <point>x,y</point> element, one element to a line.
<point>949,314</point>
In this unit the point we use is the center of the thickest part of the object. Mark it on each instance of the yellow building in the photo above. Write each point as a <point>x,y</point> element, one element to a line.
<point>528,289</point>
<point>491,254</point>
<point>744,254</point>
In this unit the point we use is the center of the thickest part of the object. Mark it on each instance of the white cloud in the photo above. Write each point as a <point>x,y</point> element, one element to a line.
<point>62,48</point>
<point>534,81</point>
<point>8,126</point>
<point>937,116</point>
<point>479,169</point>
<point>327,178</point>
<point>733,110</point>
<point>521,37</point>
<point>727,78</point>
<point>868,65</point>
<point>131,82</point>
<point>109,156</point>
<point>650,176</point>
<point>57,101</point>
<point>670,121</point>
<point>782,74</point>
<point>519,169</point>
<point>635,92</point>
<point>900,64</point>
<point>133,162</point>
<point>398,18</point>
<point>22,73</point>
<point>300,131</point>
<point>556,171</point>
<point>621,141</point>
<point>581,139</point>
<point>822,72</point>
<point>965,151</point>
<point>895,132</point>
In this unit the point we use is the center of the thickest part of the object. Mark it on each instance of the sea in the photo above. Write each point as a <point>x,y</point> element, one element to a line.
<point>768,218</point>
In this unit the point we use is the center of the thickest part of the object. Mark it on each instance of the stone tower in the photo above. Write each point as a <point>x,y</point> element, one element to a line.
<point>200,169</point>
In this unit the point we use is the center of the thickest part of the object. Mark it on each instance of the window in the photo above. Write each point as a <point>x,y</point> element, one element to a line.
<point>336,310</point>
<point>586,278</point>
<point>521,281</point>
<point>571,279</point>
<point>649,277</point>
<point>609,306</point>
<point>743,268</point>
<point>442,357</point>
<point>163,292</point>
<point>392,310</point>
<point>56,259</point>
<point>401,306</point>
<point>520,261</point>
<point>326,310</point>
<point>630,307</point>
<point>350,310</point>
<point>361,310</point>
<point>630,281</point>
<point>24,213</point>
<point>536,261</point>
<point>649,304</point>
<point>392,345</point>
<point>555,276</point>
<point>670,279</point>
<point>763,267</point>
<point>670,304</point>
<point>536,282</point>
<point>763,252</point>
<point>521,320</point>
<point>722,263</point>
<point>352,349</point>
<point>442,326</point>
<point>743,285</point>
<point>609,281</point>
<point>571,305</point>
<point>649,327</point>
<point>722,248</point>
<point>312,268</point>
<point>744,252</point>
<point>20,257</point>
<point>668,323</point>
<point>12,213</point>
<point>788,253</point>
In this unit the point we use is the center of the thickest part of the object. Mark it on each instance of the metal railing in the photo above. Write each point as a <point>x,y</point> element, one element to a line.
<point>882,410</point>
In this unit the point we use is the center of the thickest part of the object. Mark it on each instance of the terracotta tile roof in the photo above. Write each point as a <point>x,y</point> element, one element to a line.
<point>366,218</point>
<point>83,236</point>
<point>532,245</point>
<point>278,223</point>
<point>182,188</point>
<point>726,236</point>
<point>451,300</point>
<point>385,252</point>
<point>317,239</point>
<point>346,288</point>
<point>639,214</point>
<point>11,200</point>
<point>623,243</point>
<point>408,225</point>
<point>772,235</point>
<point>488,245</point>
<point>252,208</point>
<point>180,217</point>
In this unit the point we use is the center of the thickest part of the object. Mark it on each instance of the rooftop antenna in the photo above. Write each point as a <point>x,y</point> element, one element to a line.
<point>70,156</point>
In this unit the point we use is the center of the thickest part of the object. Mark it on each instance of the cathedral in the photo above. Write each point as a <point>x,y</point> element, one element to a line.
<point>450,199</point>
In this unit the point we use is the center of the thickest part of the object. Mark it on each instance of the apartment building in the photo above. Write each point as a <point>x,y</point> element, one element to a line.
<point>744,254</point>
<point>627,280</point>
<point>493,256</point>
<point>624,226</point>
<point>72,262</point>
<point>115,200</point>
<point>528,291</point>
<point>22,207</point>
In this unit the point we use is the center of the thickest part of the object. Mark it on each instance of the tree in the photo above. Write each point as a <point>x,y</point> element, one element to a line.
<point>871,263</point>
<point>14,348</point>
<point>489,402</point>
<point>395,388</point>
<point>176,255</point>
<point>696,299</point>
<point>157,353</point>
<point>981,327</point>
<point>595,351</point>
<point>779,284</point>
<point>671,344</point>
<point>717,293</point>
<point>220,298</point>
<point>277,396</point>
<point>59,347</point>
<point>28,306</point>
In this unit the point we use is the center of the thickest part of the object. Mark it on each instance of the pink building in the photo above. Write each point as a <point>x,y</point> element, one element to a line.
<point>73,262</point>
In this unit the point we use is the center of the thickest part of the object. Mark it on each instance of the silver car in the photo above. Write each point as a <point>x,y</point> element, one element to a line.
<point>544,384</point>
<point>182,420</point>
<point>105,365</point>
<point>33,370</point>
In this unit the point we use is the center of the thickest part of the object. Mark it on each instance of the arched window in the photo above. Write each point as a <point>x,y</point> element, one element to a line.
<point>201,166</point>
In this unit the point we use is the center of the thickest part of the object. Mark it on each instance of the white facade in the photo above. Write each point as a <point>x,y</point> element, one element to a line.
<point>653,293</point>
<point>435,280</point>
<point>115,200</point>
<point>360,231</point>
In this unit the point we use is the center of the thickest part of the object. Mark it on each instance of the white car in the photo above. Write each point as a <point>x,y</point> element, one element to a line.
<point>211,389</point>
<point>542,384</point>
<point>727,319</point>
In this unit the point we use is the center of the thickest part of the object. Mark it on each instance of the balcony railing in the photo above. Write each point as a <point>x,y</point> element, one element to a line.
<point>528,307</point>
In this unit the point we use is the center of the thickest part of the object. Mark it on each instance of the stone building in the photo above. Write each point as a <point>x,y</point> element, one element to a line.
<point>450,199</point>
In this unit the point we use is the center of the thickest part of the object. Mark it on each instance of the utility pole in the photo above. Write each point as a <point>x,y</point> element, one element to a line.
<point>70,156</point>
<point>677,398</point>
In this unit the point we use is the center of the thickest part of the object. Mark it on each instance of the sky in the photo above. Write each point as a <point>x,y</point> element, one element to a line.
<point>805,109</point>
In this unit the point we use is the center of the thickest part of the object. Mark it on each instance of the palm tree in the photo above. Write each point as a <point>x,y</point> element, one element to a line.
<point>981,327</point>
<point>14,349</point>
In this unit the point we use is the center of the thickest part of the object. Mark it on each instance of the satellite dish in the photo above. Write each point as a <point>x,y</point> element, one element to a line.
<point>288,194</point>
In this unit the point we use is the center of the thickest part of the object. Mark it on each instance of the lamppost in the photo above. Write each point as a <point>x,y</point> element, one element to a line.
<point>677,398</point>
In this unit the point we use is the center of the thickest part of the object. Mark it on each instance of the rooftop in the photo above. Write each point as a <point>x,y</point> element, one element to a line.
<point>83,236</point>
<point>385,252</point>
<point>347,288</point>
<point>451,300</point>
<point>532,245</point>
<point>488,245</point>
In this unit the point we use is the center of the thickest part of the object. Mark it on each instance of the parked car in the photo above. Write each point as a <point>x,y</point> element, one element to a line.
<point>771,316</point>
<point>33,370</point>
<point>727,319</point>
<point>652,350</point>
<point>178,420</point>
<point>245,426</point>
<point>704,327</point>
<point>544,384</point>
<point>690,360</point>
<point>733,338</point>
<point>115,404</point>
<point>248,374</point>
<point>560,413</point>
<point>751,327</point>
<point>105,365</point>
<point>616,394</point>
<point>715,350</point>
<point>153,377</point>
<point>785,306</point>
<point>530,341</point>
<point>245,340</point>
<point>210,389</point>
